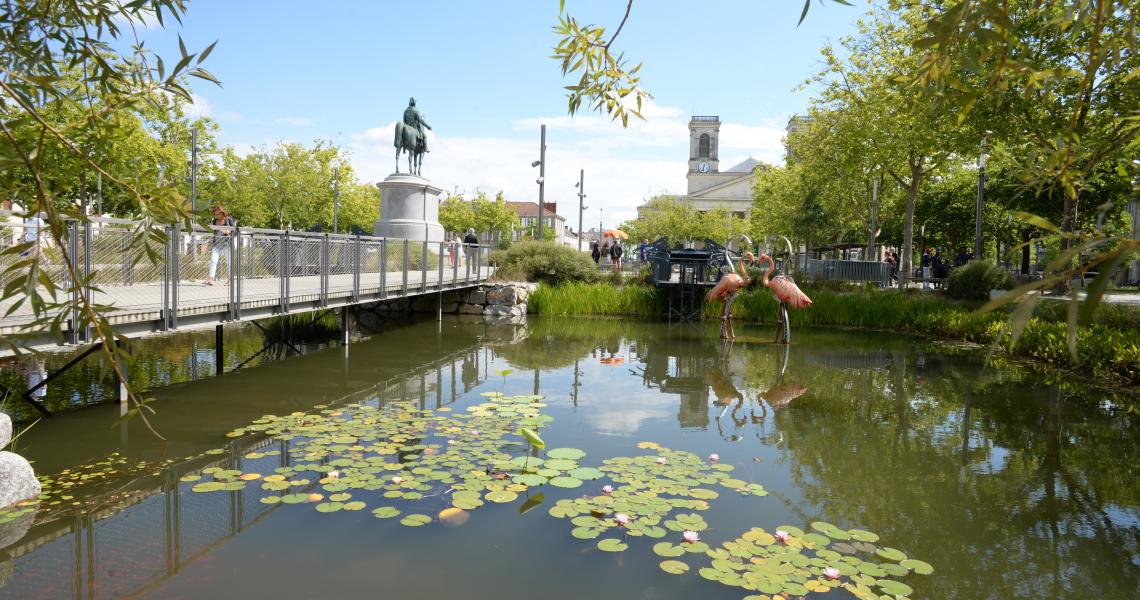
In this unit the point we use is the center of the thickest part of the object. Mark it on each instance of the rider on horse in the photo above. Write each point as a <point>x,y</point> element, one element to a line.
<point>413,119</point>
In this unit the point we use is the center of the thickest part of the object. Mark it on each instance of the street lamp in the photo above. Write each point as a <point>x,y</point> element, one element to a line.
<point>981,194</point>
<point>336,197</point>
<point>581,185</point>
<point>541,181</point>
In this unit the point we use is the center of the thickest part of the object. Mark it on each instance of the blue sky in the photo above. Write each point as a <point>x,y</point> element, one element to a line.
<point>480,71</point>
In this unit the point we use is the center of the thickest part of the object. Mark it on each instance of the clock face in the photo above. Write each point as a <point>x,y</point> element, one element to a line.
<point>703,167</point>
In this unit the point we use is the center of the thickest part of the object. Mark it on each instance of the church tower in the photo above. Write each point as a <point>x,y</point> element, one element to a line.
<point>704,142</point>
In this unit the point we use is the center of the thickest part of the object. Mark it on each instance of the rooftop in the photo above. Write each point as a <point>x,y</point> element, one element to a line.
<point>747,166</point>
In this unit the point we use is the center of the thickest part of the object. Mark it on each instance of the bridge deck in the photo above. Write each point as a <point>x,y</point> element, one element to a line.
<point>262,273</point>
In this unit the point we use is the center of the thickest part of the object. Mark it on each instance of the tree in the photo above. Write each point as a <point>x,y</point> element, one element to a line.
<point>905,135</point>
<point>456,214</point>
<point>62,77</point>
<point>494,216</point>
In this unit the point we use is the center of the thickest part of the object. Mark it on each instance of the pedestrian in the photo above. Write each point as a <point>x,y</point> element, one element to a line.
<point>452,249</point>
<point>642,248</point>
<point>471,244</point>
<point>595,252</point>
<point>890,260</point>
<point>33,234</point>
<point>605,250</point>
<point>926,264</point>
<point>11,226</point>
<point>940,269</point>
<point>220,244</point>
<point>615,255</point>
<point>962,258</point>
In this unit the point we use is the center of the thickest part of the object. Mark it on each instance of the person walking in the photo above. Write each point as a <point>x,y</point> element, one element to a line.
<point>33,234</point>
<point>220,244</point>
<point>642,248</point>
<point>471,245</point>
<point>452,249</point>
<point>595,252</point>
<point>890,260</point>
<point>926,264</point>
<point>615,255</point>
<point>605,250</point>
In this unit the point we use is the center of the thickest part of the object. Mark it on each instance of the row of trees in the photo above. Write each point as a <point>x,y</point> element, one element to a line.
<point>677,219</point>
<point>1053,88</point>
<point>481,213</point>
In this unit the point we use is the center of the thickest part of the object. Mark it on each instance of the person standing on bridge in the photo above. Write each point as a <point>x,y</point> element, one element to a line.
<point>223,231</point>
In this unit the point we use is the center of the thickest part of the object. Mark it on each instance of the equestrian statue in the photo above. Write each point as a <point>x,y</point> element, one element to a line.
<point>411,138</point>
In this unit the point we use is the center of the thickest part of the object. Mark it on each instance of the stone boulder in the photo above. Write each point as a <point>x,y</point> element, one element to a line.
<point>5,429</point>
<point>477,297</point>
<point>505,295</point>
<point>17,479</point>
<point>470,309</point>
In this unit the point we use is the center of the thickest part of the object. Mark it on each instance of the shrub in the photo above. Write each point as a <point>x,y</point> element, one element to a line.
<point>545,262</point>
<point>975,280</point>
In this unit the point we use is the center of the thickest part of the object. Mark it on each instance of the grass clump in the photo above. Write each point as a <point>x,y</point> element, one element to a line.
<point>544,262</point>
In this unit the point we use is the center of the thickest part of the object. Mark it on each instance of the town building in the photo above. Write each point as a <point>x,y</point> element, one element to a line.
<point>528,216</point>
<point>709,188</point>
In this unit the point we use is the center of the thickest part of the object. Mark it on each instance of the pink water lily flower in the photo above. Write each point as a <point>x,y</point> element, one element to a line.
<point>783,536</point>
<point>831,573</point>
<point>714,457</point>
<point>397,480</point>
<point>334,474</point>
<point>621,519</point>
<point>660,460</point>
<point>607,489</point>
<point>475,433</point>
<point>691,536</point>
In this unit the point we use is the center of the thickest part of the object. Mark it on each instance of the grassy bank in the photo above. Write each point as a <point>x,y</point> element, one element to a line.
<point>1109,348</point>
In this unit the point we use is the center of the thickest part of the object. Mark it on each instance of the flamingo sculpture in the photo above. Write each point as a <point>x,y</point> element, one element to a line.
<point>727,289</point>
<point>787,293</point>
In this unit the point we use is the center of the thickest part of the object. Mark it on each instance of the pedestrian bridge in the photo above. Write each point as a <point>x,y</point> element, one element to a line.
<point>259,273</point>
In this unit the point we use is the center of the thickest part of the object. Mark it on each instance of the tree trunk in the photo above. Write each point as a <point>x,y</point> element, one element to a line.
<point>908,225</point>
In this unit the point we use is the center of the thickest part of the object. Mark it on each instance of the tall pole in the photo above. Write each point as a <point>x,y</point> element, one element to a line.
<point>581,207</point>
<point>541,178</point>
<point>978,208</point>
<point>874,209</point>
<point>194,170</point>
<point>336,197</point>
<point>99,187</point>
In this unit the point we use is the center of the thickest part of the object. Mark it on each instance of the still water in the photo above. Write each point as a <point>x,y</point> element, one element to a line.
<point>1010,488</point>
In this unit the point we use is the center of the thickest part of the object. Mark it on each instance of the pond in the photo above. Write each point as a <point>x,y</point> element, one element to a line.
<point>879,455</point>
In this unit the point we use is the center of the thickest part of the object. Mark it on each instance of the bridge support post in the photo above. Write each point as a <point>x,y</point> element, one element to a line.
<point>121,391</point>
<point>344,325</point>
<point>219,350</point>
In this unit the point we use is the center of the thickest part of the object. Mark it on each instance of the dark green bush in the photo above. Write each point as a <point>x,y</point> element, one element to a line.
<point>975,280</point>
<point>546,262</point>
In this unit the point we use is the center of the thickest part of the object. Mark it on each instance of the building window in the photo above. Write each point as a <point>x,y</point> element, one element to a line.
<point>703,146</point>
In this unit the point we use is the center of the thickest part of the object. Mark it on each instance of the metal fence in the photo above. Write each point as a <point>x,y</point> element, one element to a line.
<point>227,270</point>
<point>847,270</point>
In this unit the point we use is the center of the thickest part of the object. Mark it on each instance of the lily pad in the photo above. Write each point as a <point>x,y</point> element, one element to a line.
<point>612,545</point>
<point>415,520</point>
<point>566,453</point>
<point>674,567</point>
<point>891,554</point>
<point>566,482</point>
<point>668,549</point>
<point>501,496</point>
<point>385,512</point>
<point>918,566</point>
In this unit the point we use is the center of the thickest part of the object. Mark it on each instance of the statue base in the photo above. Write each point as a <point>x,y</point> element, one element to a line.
<point>409,209</point>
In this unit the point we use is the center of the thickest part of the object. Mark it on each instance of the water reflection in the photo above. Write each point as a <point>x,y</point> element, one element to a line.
<point>1012,488</point>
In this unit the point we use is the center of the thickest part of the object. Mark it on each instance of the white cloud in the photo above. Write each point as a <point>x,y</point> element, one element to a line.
<point>201,107</point>
<point>623,166</point>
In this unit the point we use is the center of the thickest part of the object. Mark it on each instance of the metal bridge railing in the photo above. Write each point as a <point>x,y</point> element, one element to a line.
<point>225,270</point>
<point>847,270</point>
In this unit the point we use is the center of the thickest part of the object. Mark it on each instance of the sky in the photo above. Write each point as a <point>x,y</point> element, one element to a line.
<point>343,70</point>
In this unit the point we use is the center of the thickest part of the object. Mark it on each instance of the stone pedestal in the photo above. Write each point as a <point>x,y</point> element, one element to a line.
<point>409,209</point>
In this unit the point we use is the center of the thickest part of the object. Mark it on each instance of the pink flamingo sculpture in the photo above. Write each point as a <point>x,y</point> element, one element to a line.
<point>787,293</point>
<point>727,289</point>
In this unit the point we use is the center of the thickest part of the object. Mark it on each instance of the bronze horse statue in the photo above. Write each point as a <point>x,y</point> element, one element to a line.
<point>411,141</point>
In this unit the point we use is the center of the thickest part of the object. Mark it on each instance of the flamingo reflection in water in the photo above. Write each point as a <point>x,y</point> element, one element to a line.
<point>777,396</point>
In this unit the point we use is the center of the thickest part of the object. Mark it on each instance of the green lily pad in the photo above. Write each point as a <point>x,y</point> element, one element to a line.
<point>860,535</point>
<point>918,566</point>
<point>896,588</point>
<point>891,554</point>
<point>501,496</point>
<point>210,486</point>
<point>355,505</point>
<point>667,549</point>
<point>294,498</point>
<point>566,453</point>
<point>585,533</point>
<point>566,482</point>
<point>271,499</point>
<point>415,520</point>
<point>586,473</point>
<point>612,545</point>
<point>327,507</point>
<point>530,480</point>
<point>385,512</point>
<point>560,464</point>
<point>674,567</point>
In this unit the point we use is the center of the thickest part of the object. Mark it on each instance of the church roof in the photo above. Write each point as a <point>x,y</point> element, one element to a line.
<point>746,166</point>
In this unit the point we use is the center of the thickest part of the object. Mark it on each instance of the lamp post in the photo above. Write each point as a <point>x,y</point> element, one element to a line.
<point>541,181</point>
<point>978,208</point>
<point>921,243</point>
<point>194,170</point>
<point>336,198</point>
<point>874,208</point>
<point>581,185</point>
